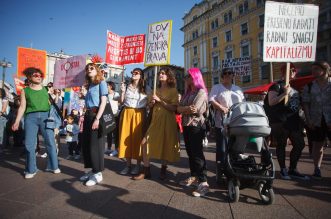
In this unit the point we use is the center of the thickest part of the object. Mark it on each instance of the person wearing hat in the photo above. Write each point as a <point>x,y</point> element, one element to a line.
<point>285,123</point>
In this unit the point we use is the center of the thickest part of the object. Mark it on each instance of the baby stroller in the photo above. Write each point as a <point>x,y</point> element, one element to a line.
<point>246,128</point>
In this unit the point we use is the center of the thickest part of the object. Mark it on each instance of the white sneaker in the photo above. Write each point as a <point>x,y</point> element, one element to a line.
<point>86,176</point>
<point>108,152</point>
<point>114,153</point>
<point>77,157</point>
<point>94,179</point>
<point>44,155</point>
<point>205,142</point>
<point>135,170</point>
<point>29,175</point>
<point>56,171</point>
<point>202,190</point>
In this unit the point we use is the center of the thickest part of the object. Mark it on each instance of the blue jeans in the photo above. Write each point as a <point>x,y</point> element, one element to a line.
<point>3,122</point>
<point>32,123</point>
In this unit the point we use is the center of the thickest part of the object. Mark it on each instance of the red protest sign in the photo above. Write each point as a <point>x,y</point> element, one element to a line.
<point>19,84</point>
<point>125,50</point>
<point>30,58</point>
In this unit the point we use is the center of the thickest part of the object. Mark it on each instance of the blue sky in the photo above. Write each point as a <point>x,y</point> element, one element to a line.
<point>80,26</point>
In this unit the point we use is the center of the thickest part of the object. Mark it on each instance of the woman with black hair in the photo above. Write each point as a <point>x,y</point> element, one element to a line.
<point>132,119</point>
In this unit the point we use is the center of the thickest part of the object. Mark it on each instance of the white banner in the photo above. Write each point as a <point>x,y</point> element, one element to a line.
<point>157,50</point>
<point>240,66</point>
<point>290,32</point>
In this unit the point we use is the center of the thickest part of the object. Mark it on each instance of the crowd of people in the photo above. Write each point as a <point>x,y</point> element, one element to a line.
<point>149,124</point>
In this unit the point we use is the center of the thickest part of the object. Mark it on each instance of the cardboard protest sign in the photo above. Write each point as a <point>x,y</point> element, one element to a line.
<point>69,72</point>
<point>158,43</point>
<point>19,84</point>
<point>240,66</point>
<point>30,58</point>
<point>290,32</point>
<point>125,50</point>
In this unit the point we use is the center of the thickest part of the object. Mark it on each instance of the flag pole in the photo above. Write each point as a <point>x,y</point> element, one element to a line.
<point>287,79</point>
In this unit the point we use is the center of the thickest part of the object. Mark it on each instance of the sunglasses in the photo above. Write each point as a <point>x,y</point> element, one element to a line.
<point>162,73</point>
<point>37,75</point>
<point>135,73</point>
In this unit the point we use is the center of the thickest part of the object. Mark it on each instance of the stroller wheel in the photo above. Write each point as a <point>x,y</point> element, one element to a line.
<point>267,194</point>
<point>233,190</point>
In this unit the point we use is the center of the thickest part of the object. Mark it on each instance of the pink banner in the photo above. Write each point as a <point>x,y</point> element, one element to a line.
<point>69,72</point>
<point>125,50</point>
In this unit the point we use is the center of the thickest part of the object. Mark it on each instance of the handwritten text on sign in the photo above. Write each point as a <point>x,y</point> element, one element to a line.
<point>158,43</point>
<point>69,72</point>
<point>240,66</point>
<point>290,32</point>
<point>125,50</point>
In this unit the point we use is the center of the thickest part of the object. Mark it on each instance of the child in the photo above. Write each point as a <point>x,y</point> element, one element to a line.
<point>72,130</point>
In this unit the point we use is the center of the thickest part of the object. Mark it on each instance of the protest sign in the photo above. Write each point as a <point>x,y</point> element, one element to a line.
<point>69,72</point>
<point>124,50</point>
<point>30,58</point>
<point>158,43</point>
<point>240,66</point>
<point>19,84</point>
<point>290,32</point>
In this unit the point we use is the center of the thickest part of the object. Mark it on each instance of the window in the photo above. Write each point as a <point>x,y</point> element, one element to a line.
<point>228,54</point>
<point>244,29</point>
<point>215,80</point>
<point>230,16</point>
<point>265,71</point>
<point>215,62</point>
<point>245,50</point>
<point>259,3</point>
<point>246,6</point>
<point>194,17</point>
<point>214,24</point>
<point>241,9</point>
<point>195,65</point>
<point>246,78</point>
<point>226,18</point>
<point>260,46</point>
<point>195,34</point>
<point>261,20</point>
<point>214,42</point>
<point>195,50</point>
<point>228,36</point>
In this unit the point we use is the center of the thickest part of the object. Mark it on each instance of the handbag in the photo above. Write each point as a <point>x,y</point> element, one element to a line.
<point>55,119</point>
<point>107,120</point>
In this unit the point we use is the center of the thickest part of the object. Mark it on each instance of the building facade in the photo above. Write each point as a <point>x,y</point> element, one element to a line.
<point>216,30</point>
<point>178,71</point>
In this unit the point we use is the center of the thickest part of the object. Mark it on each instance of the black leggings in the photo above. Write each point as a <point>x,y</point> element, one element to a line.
<point>193,137</point>
<point>93,145</point>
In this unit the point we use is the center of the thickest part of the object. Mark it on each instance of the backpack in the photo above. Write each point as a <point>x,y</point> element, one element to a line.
<point>209,116</point>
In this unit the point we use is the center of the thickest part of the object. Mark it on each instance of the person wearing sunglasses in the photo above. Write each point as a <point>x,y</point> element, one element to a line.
<point>35,108</point>
<point>222,96</point>
<point>93,141</point>
<point>132,120</point>
<point>161,140</point>
<point>192,107</point>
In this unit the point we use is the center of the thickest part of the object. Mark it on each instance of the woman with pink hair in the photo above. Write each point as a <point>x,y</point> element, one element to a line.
<point>192,107</point>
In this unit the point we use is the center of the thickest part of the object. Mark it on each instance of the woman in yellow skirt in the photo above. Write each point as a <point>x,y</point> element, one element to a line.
<point>161,139</point>
<point>132,119</point>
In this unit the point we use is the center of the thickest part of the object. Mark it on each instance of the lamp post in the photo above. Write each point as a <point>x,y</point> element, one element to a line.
<point>4,65</point>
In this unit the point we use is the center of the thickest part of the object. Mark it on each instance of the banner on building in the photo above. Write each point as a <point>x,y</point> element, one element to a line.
<point>69,72</point>
<point>290,32</point>
<point>30,58</point>
<point>19,84</point>
<point>240,66</point>
<point>158,43</point>
<point>125,50</point>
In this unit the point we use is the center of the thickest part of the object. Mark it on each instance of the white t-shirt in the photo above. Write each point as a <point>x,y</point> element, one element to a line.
<point>225,97</point>
<point>2,102</point>
<point>134,99</point>
<point>113,100</point>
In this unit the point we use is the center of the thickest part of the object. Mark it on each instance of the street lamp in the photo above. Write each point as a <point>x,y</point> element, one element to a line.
<point>4,65</point>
